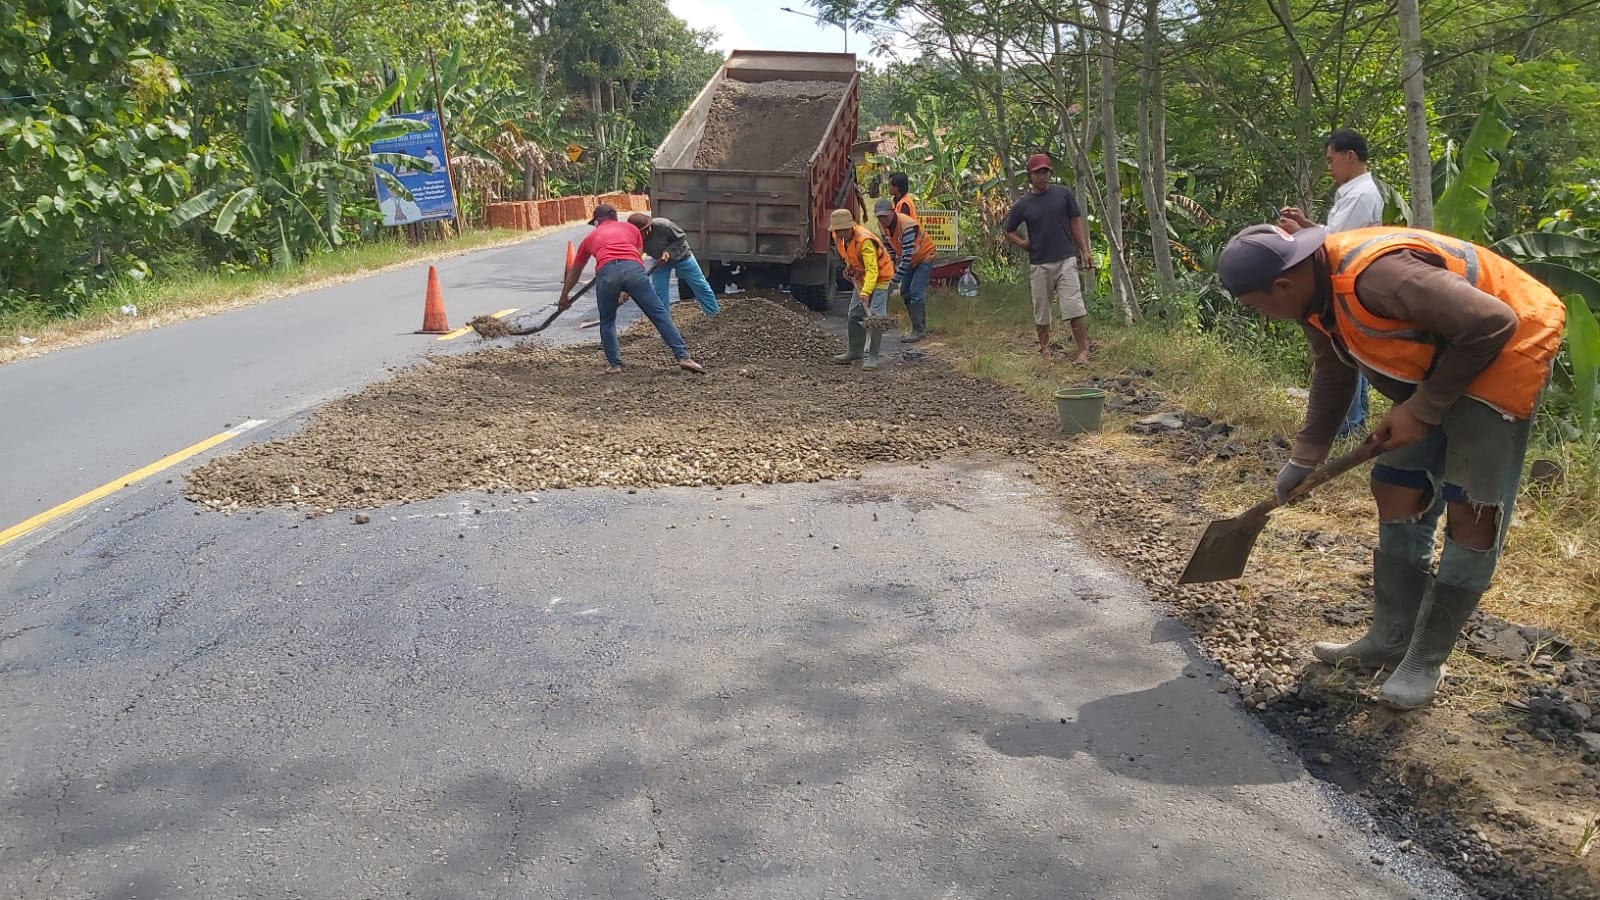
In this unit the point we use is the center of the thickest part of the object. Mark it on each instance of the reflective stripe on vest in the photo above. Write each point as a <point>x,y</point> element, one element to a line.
<point>850,252</point>
<point>1404,351</point>
<point>924,248</point>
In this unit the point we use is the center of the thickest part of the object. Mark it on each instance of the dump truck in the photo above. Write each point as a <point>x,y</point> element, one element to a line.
<point>755,165</point>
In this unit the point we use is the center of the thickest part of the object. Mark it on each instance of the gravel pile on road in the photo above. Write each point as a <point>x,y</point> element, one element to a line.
<point>772,408</point>
<point>766,126</point>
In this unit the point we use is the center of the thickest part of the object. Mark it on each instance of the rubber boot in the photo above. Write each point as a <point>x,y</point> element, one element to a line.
<point>919,322</point>
<point>1445,609</point>
<point>872,350</point>
<point>1397,589</point>
<point>857,337</point>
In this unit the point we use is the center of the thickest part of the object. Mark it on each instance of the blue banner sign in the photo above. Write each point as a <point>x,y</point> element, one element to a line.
<point>431,197</point>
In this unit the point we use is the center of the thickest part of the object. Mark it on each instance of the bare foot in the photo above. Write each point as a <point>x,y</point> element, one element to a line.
<point>1082,360</point>
<point>613,370</point>
<point>689,365</point>
<point>1044,354</point>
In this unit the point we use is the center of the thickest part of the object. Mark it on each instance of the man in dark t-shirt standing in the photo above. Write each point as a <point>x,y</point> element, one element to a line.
<point>1056,241</point>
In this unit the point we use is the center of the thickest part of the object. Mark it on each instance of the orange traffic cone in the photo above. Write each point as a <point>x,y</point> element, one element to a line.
<point>434,320</point>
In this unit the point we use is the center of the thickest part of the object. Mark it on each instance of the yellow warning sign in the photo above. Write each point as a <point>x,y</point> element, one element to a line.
<point>574,152</point>
<point>940,227</point>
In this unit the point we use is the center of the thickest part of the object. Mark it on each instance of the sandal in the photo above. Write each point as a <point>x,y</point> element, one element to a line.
<point>689,365</point>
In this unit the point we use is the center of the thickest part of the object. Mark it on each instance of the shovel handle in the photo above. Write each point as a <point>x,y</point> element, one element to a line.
<point>1328,472</point>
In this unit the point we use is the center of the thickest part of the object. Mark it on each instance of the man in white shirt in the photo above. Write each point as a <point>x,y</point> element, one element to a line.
<point>1356,204</point>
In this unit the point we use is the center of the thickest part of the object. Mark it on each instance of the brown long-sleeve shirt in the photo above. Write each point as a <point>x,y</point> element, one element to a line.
<point>1470,326</point>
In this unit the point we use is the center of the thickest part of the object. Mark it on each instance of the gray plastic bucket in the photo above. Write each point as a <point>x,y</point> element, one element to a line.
<point>1080,408</point>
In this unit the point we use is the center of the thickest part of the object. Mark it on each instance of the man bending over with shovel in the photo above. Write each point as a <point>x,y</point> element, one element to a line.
<point>668,247</point>
<point>1462,341</point>
<point>615,247</point>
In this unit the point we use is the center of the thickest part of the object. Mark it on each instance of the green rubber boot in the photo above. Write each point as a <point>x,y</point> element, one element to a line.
<point>1397,589</point>
<point>1445,609</point>
<point>919,322</point>
<point>872,350</point>
<point>857,338</point>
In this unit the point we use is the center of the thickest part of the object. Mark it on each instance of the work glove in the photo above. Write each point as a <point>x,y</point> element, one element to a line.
<point>1289,478</point>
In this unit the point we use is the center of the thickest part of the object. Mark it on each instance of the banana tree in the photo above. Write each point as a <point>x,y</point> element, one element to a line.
<point>300,165</point>
<point>1463,209</point>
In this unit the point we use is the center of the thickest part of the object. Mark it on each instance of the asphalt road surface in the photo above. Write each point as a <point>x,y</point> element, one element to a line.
<point>912,686</point>
<point>80,417</point>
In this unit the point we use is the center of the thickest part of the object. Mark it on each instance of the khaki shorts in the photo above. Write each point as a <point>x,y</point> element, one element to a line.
<point>1061,279</point>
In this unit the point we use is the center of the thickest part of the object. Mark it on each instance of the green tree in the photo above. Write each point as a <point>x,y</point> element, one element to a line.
<point>94,144</point>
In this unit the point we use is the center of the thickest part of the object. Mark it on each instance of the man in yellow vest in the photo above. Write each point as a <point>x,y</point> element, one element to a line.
<point>1462,341</point>
<point>913,254</point>
<point>870,268</point>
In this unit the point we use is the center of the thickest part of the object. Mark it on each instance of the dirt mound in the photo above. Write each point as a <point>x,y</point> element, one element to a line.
<point>766,126</point>
<point>489,327</point>
<point>772,409</point>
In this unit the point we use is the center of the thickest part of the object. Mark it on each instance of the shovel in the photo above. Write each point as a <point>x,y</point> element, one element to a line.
<point>1225,546</point>
<point>523,330</point>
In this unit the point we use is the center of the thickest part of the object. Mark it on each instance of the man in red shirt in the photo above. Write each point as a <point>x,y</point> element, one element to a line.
<point>616,248</point>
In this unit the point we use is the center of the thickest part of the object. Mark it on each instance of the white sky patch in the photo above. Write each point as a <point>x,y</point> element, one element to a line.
<point>701,14</point>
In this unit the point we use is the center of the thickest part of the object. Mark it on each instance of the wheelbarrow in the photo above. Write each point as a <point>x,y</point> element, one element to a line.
<point>949,269</point>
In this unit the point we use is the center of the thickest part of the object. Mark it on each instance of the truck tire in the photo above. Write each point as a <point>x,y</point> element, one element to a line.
<point>717,275</point>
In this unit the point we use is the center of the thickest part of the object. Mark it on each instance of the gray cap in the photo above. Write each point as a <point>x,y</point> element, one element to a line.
<point>1260,253</point>
<point>884,205</point>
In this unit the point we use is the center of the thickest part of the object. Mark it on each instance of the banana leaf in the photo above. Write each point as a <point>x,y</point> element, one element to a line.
<point>1583,350</point>
<point>1543,245</point>
<point>1463,209</point>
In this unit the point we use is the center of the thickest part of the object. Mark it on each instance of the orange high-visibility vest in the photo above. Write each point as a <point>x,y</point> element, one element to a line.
<point>1403,351</point>
<point>906,206</point>
<point>850,252</point>
<point>924,249</point>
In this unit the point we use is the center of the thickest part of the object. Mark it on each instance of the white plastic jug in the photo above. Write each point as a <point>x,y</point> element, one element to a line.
<point>968,285</point>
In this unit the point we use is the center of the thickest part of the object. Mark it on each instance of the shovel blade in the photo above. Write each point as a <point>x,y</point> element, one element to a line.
<point>1223,549</point>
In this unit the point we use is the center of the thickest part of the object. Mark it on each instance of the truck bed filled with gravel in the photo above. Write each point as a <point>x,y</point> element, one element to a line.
<point>767,126</point>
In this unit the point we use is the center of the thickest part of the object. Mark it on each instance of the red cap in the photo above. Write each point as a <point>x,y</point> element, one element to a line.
<point>1039,161</point>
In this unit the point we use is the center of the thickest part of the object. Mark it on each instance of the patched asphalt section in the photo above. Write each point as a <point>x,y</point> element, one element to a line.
<point>913,685</point>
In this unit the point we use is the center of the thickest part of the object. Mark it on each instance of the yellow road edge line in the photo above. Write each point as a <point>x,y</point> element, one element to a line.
<point>28,526</point>
<point>452,335</point>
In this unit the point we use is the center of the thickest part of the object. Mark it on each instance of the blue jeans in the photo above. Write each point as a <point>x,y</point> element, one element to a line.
<point>1355,420</point>
<point>626,275</point>
<point>914,287</point>
<point>689,273</point>
<point>878,303</point>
